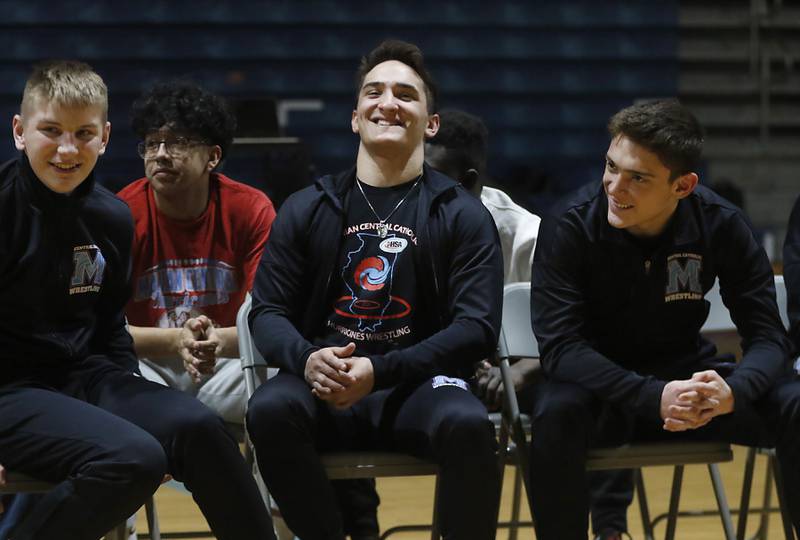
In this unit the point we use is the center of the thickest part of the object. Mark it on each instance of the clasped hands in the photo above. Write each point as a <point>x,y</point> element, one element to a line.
<point>198,346</point>
<point>337,377</point>
<point>693,403</point>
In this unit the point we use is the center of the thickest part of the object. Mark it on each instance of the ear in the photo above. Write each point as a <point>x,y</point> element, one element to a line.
<point>433,126</point>
<point>684,185</point>
<point>105,138</point>
<point>354,122</point>
<point>214,157</point>
<point>470,179</point>
<point>18,131</point>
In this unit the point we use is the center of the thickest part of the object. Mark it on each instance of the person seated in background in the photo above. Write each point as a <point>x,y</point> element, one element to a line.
<point>198,237</point>
<point>459,149</point>
<point>378,291</point>
<point>75,411</point>
<point>791,276</point>
<point>617,300</point>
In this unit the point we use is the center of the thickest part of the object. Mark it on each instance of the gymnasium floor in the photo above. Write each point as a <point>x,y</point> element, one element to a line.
<point>409,500</point>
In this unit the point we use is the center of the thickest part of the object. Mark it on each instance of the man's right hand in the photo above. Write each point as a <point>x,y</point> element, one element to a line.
<point>325,370</point>
<point>683,405</point>
<point>196,359</point>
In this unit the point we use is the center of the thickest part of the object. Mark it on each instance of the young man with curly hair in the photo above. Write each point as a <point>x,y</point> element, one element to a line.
<point>379,290</point>
<point>74,410</point>
<point>198,238</point>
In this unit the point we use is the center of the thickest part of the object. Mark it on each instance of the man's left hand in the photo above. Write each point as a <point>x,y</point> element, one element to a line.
<point>716,390</point>
<point>360,368</point>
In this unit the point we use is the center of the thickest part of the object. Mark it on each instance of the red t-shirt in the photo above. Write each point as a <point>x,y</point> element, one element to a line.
<point>184,268</point>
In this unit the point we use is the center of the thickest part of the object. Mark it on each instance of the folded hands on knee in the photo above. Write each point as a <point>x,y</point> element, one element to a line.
<point>693,403</point>
<point>337,377</point>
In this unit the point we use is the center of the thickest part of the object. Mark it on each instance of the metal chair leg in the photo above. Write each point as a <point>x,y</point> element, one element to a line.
<point>785,518</point>
<point>722,501</point>
<point>516,502</point>
<point>747,486</point>
<point>435,534</point>
<point>674,500</point>
<point>644,510</point>
<point>120,532</point>
<point>152,519</point>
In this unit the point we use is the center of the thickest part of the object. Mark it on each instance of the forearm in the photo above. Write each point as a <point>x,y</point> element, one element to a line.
<point>452,351</point>
<point>229,342</point>
<point>155,343</point>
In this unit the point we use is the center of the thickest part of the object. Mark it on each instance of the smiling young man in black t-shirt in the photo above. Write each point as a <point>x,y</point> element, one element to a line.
<point>378,291</point>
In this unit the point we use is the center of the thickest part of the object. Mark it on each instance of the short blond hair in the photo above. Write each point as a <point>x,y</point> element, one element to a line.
<point>68,83</point>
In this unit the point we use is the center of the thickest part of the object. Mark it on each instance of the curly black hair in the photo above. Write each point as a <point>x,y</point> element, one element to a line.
<point>186,107</point>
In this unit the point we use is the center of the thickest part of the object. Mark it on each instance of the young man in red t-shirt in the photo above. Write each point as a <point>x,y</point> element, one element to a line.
<point>198,239</point>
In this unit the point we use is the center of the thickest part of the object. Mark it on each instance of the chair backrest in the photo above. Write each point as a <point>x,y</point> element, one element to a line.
<point>719,318</point>
<point>247,351</point>
<point>516,336</point>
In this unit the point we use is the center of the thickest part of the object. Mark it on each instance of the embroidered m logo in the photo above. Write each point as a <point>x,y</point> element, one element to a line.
<point>683,277</point>
<point>88,268</point>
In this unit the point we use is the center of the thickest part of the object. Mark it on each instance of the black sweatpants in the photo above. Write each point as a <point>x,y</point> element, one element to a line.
<point>106,437</point>
<point>568,420</point>
<point>445,423</point>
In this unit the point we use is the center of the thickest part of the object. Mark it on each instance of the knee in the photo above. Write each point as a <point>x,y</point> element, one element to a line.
<point>137,465</point>
<point>277,413</point>
<point>198,426</point>
<point>567,407</point>
<point>467,433</point>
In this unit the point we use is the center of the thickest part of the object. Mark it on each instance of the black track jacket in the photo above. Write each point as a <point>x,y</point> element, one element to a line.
<point>622,324</point>
<point>64,270</point>
<point>459,276</point>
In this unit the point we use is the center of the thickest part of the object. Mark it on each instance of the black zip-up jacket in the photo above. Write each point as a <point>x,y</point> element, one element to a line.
<point>791,276</point>
<point>459,278</point>
<point>622,324</point>
<point>61,300</point>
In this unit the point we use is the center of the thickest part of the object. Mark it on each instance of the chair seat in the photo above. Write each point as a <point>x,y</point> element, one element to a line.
<point>348,465</point>
<point>661,453</point>
<point>20,483</point>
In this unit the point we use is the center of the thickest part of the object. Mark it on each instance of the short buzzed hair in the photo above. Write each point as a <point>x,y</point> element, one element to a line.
<point>465,137</point>
<point>405,53</point>
<point>67,83</point>
<point>664,127</point>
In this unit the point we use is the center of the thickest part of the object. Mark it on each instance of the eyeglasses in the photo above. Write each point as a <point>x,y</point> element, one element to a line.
<point>176,147</point>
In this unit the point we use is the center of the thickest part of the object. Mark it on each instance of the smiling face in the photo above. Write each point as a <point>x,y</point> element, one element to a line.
<point>62,143</point>
<point>641,195</point>
<point>392,109</point>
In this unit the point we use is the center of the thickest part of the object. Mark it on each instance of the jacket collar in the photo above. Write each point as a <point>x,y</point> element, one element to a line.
<point>47,199</point>
<point>336,187</point>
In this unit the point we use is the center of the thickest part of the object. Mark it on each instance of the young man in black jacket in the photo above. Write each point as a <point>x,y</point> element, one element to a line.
<point>791,276</point>
<point>617,303</point>
<point>75,412</point>
<point>379,290</point>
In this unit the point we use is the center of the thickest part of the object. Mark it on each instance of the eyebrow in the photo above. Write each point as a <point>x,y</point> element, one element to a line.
<point>631,171</point>
<point>57,123</point>
<point>378,84</point>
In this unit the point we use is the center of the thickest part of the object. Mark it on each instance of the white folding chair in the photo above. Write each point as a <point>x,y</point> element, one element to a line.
<point>518,341</point>
<point>338,465</point>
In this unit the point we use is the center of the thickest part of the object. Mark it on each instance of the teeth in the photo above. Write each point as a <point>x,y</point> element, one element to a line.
<point>64,167</point>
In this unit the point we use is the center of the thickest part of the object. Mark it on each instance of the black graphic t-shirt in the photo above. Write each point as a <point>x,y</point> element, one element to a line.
<point>376,276</point>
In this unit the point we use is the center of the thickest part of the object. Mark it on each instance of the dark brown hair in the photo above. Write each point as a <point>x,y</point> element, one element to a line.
<point>407,53</point>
